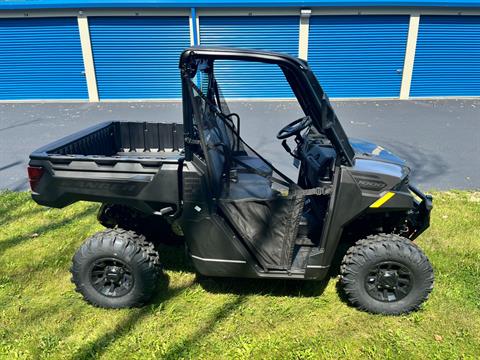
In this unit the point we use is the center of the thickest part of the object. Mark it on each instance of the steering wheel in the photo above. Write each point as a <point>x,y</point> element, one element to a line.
<point>294,128</point>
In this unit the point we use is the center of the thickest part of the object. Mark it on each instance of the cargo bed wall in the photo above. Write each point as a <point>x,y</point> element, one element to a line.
<point>148,137</point>
<point>119,138</point>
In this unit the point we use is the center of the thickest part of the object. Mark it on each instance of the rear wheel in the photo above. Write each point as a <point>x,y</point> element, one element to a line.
<point>386,274</point>
<point>116,268</point>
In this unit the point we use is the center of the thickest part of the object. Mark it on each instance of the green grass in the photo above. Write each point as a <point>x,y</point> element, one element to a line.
<point>41,316</point>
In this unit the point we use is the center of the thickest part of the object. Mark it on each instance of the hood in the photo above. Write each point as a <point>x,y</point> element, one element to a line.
<point>365,149</point>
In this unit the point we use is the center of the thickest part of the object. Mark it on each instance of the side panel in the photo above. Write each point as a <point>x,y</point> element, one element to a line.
<point>137,57</point>
<point>358,55</point>
<point>243,80</point>
<point>447,59</point>
<point>41,59</point>
<point>214,249</point>
<point>146,188</point>
<point>350,201</point>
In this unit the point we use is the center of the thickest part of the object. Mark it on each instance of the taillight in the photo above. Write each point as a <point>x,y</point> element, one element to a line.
<point>34,175</point>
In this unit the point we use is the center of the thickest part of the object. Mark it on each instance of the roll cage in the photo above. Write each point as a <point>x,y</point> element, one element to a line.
<point>310,95</point>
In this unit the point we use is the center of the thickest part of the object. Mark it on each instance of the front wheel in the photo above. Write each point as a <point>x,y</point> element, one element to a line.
<point>116,268</point>
<point>386,274</point>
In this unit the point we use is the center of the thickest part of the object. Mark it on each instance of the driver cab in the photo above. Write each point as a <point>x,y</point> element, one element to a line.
<point>278,220</point>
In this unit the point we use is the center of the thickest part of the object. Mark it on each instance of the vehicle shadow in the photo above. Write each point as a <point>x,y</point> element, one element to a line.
<point>181,348</point>
<point>174,258</point>
<point>270,287</point>
<point>100,345</point>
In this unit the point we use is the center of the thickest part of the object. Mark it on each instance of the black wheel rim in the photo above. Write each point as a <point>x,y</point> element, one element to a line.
<point>111,277</point>
<point>389,281</point>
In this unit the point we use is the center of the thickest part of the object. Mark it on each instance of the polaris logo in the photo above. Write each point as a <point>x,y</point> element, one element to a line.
<point>102,186</point>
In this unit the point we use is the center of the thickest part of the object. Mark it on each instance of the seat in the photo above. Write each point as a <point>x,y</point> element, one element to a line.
<point>247,184</point>
<point>249,187</point>
<point>318,164</point>
<point>253,162</point>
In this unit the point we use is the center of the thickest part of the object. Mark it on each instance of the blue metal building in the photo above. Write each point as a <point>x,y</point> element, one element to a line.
<point>94,50</point>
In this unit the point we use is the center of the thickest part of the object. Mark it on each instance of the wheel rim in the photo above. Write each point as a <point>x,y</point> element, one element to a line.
<point>111,277</point>
<point>389,281</point>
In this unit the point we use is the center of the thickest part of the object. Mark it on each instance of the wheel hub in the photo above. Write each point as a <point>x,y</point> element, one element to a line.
<point>114,274</point>
<point>388,281</point>
<point>111,277</point>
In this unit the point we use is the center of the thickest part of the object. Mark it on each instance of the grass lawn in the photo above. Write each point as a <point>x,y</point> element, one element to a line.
<point>41,316</point>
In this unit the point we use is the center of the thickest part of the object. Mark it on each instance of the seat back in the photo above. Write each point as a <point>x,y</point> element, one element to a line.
<point>218,149</point>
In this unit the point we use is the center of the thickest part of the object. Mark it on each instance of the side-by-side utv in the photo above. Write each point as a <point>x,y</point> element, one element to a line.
<point>239,215</point>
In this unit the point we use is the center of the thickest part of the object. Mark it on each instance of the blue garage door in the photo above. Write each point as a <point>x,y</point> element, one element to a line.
<point>243,80</point>
<point>41,59</point>
<point>137,57</point>
<point>358,56</point>
<point>447,59</point>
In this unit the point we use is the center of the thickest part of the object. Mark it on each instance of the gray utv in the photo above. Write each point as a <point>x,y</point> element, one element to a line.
<point>239,215</point>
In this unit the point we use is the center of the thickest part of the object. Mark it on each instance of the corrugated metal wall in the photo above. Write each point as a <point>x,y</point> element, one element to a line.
<point>359,55</point>
<point>41,59</point>
<point>447,59</point>
<point>244,80</point>
<point>137,57</point>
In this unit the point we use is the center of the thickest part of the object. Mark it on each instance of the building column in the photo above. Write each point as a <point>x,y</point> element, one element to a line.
<point>409,56</point>
<point>194,28</point>
<point>88,58</point>
<point>303,34</point>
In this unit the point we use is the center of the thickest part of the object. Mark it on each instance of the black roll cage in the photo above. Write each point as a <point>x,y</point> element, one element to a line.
<point>236,131</point>
<point>310,95</point>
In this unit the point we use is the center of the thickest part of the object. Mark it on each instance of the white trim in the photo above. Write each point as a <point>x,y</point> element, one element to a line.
<point>232,12</point>
<point>446,97</point>
<point>176,100</point>
<point>88,62</point>
<point>409,56</point>
<point>29,101</point>
<point>197,24</point>
<point>303,35</point>
<point>248,12</point>
<point>261,99</point>
<point>391,11</point>
<point>331,98</point>
<point>251,100</point>
<point>190,27</point>
<point>100,12</point>
<point>317,266</point>
<point>386,98</point>
<point>219,260</point>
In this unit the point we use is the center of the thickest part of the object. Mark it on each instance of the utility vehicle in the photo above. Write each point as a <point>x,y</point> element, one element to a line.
<point>239,215</point>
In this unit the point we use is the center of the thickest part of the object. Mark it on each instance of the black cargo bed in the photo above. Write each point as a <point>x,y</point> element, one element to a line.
<point>114,162</point>
<point>120,139</point>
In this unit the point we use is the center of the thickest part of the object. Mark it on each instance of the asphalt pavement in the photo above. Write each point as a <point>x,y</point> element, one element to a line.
<point>438,138</point>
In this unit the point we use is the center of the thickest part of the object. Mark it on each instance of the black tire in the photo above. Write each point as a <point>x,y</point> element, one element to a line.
<point>386,274</point>
<point>116,268</point>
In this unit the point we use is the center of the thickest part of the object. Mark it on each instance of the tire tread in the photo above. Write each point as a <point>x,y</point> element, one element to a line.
<point>365,250</point>
<point>133,246</point>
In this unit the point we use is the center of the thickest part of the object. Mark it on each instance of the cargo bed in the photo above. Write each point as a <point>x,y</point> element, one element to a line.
<point>112,162</point>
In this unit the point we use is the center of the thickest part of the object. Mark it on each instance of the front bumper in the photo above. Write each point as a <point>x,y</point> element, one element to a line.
<point>419,217</point>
